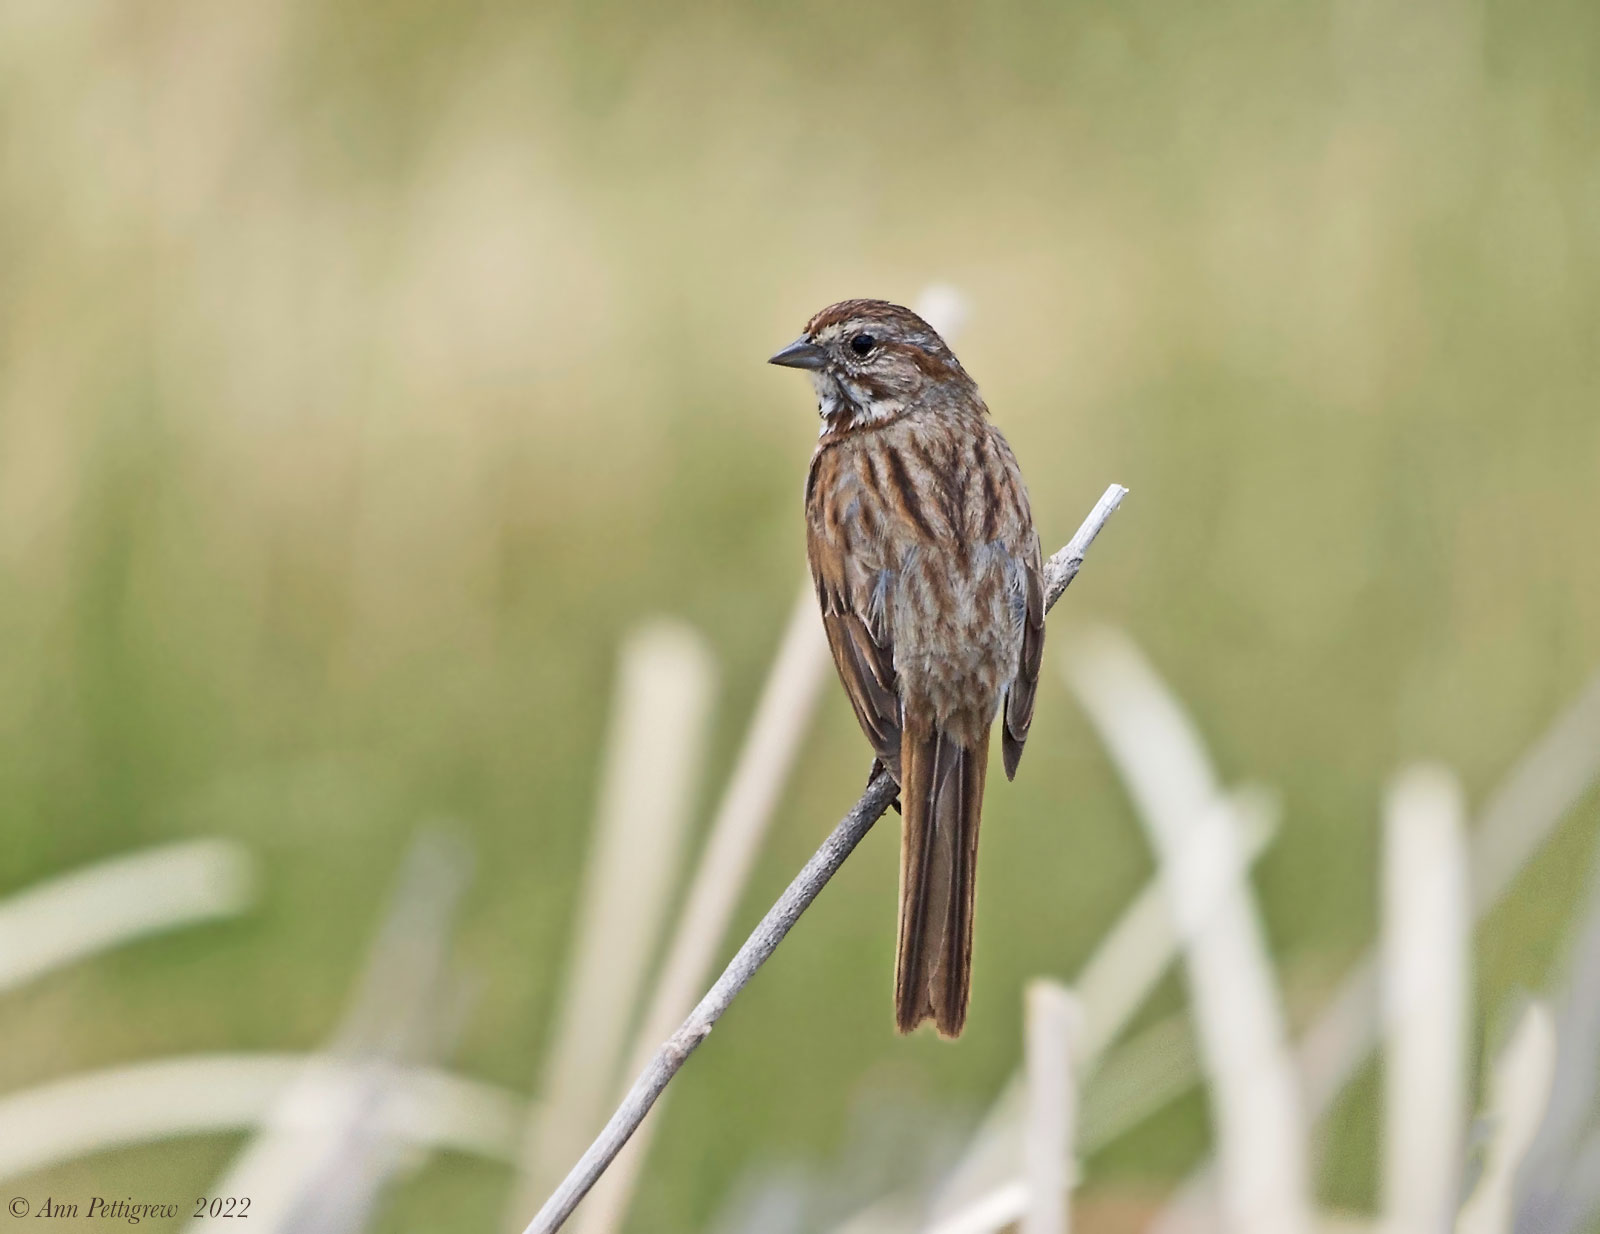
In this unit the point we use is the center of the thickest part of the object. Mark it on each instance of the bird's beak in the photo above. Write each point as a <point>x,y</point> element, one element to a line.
<point>802,353</point>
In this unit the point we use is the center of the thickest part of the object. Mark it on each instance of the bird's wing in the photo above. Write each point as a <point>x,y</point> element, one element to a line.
<point>858,617</point>
<point>1022,543</point>
<point>1023,689</point>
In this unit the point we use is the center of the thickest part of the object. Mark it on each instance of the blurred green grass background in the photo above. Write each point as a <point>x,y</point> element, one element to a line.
<point>367,370</point>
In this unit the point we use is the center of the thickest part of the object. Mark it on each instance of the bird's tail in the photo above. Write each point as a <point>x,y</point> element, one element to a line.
<point>941,797</point>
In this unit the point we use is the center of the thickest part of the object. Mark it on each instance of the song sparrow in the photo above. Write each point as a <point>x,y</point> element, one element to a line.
<point>929,574</point>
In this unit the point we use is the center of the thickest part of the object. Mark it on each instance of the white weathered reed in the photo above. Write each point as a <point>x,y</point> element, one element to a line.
<point>74,915</point>
<point>1536,794</point>
<point>1579,1199</point>
<point>1519,1090</point>
<point>944,308</point>
<point>1344,1223</point>
<point>738,830</point>
<point>1130,961</point>
<point>1554,1174</point>
<point>771,1203</point>
<point>1151,1069</point>
<point>1111,987</point>
<point>1054,1020</point>
<point>654,751</point>
<point>325,1151</point>
<point>1517,819</point>
<point>162,1099</point>
<point>1004,1206</point>
<point>1426,993</point>
<point>1519,816</point>
<point>992,1162</point>
<point>670,1057</point>
<point>1261,1132</point>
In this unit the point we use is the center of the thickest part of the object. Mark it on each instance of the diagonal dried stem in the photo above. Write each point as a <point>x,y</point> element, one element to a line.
<point>1060,570</point>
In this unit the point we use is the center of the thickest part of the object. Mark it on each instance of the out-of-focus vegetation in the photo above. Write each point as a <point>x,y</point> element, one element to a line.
<point>367,370</point>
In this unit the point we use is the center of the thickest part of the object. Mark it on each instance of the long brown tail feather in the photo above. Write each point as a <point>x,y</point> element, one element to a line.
<point>941,796</point>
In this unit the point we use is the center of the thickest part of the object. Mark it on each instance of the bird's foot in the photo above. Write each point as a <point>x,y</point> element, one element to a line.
<point>877,769</point>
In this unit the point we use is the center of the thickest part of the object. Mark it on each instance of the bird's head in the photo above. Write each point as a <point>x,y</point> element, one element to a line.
<point>872,361</point>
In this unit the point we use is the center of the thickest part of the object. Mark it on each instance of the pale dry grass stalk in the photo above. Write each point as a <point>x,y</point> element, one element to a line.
<point>1115,981</point>
<point>1426,996</point>
<point>1536,794</point>
<point>147,1102</point>
<point>1519,1091</point>
<point>74,915</point>
<point>1131,960</point>
<point>1060,570</point>
<point>1260,1129</point>
<point>1344,1223</point>
<point>991,1165</point>
<point>738,830</point>
<point>1517,819</point>
<point>1519,816</point>
<point>1004,1206</point>
<point>886,1216</point>
<point>1148,1071</point>
<point>325,1150</point>
<point>945,309</point>
<point>1054,1022</point>
<point>660,719</point>
<point>1556,1173</point>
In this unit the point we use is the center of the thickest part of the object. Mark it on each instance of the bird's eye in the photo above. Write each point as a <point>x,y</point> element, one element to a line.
<point>863,344</point>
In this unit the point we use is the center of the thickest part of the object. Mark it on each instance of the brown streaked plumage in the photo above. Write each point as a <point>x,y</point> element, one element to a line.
<point>930,579</point>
